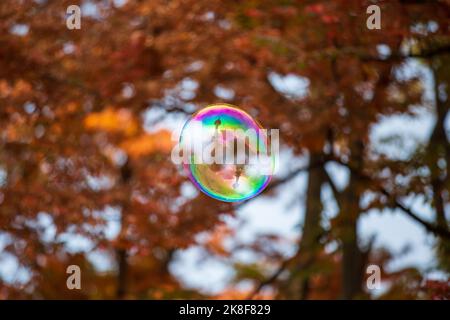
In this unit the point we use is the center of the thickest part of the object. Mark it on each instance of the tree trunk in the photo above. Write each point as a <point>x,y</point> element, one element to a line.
<point>352,260</point>
<point>309,245</point>
<point>122,273</point>
<point>438,151</point>
<point>121,253</point>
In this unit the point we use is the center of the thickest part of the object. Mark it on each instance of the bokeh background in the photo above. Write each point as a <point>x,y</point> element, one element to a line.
<point>87,120</point>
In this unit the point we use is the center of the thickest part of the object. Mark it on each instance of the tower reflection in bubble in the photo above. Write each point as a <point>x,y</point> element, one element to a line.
<point>227,154</point>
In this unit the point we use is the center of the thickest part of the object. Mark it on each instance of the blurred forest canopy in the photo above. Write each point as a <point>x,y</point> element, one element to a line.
<point>75,153</point>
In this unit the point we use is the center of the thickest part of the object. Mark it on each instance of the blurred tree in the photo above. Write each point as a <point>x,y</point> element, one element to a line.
<point>352,76</point>
<point>74,144</point>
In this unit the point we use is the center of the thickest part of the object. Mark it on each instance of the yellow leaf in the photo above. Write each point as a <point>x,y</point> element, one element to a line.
<point>111,120</point>
<point>146,144</point>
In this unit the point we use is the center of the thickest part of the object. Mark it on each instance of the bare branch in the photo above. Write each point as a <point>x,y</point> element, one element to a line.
<point>435,229</point>
<point>336,192</point>
<point>271,278</point>
<point>275,183</point>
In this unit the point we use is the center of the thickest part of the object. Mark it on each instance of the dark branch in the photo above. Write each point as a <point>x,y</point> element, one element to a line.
<point>270,279</point>
<point>435,229</point>
<point>336,192</point>
<point>427,53</point>
<point>274,184</point>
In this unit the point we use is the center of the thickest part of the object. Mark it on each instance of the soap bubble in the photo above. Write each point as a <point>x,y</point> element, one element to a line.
<point>226,153</point>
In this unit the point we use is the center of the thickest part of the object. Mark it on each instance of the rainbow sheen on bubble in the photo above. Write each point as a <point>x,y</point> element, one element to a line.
<point>227,153</point>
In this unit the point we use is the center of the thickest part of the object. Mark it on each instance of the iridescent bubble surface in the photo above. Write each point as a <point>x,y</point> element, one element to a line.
<point>226,153</point>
